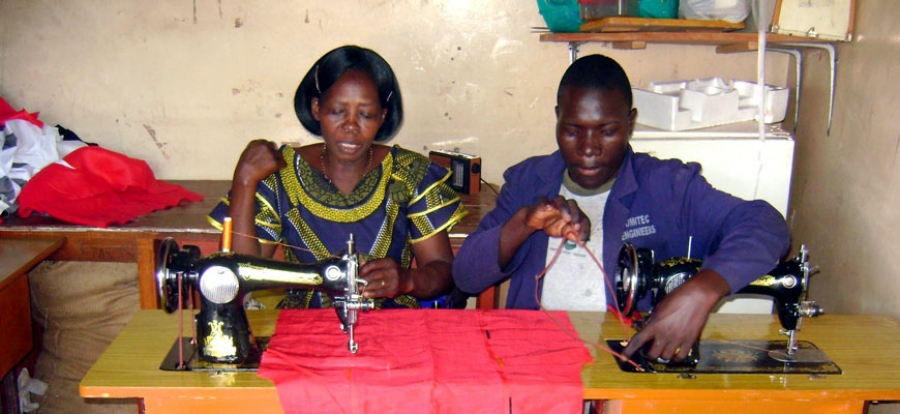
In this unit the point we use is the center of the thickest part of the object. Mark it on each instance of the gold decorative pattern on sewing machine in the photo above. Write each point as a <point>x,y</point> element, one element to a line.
<point>217,344</point>
<point>251,272</point>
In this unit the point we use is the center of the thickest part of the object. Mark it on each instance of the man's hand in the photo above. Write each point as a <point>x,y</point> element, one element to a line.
<point>559,218</point>
<point>678,320</point>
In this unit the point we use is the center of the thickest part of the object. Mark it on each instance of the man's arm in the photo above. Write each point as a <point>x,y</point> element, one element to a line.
<point>747,238</point>
<point>678,320</point>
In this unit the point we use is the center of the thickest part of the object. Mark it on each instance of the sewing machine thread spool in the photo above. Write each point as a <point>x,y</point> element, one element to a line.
<point>226,234</point>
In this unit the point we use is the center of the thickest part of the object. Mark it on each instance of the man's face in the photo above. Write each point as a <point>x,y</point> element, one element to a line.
<point>593,127</point>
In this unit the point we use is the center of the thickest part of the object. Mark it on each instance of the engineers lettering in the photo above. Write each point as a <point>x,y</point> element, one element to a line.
<point>638,226</point>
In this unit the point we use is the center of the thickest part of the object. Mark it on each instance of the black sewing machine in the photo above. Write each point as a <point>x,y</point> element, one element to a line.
<point>637,274</point>
<point>223,279</point>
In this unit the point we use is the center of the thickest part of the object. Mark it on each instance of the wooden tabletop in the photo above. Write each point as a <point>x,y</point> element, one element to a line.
<point>865,347</point>
<point>191,217</point>
<point>17,256</point>
<point>129,368</point>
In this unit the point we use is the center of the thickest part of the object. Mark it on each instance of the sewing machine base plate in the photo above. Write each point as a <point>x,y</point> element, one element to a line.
<point>192,361</point>
<point>740,357</point>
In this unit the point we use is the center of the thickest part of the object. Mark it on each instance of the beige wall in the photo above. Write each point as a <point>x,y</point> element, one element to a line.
<point>846,187</point>
<point>185,85</point>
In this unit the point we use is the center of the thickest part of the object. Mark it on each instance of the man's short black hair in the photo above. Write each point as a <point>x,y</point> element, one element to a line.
<point>330,67</point>
<point>596,72</point>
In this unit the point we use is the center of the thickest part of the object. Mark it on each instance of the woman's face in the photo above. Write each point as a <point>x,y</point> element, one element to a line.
<point>350,113</point>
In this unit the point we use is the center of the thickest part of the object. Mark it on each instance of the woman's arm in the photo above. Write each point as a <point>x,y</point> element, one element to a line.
<point>259,160</point>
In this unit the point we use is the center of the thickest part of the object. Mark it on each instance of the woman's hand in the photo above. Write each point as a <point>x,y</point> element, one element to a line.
<point>259,160</point>
<point>385,278</point>
<point>431,277</point>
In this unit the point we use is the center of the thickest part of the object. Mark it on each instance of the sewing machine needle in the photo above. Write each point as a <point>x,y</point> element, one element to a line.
<point>352,343</point>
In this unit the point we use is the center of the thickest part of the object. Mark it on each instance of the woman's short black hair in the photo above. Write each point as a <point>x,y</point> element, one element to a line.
<point>330,67</point>
<point>596,72</point>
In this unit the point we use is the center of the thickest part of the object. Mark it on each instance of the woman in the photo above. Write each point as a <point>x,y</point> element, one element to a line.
<point>310,199</point>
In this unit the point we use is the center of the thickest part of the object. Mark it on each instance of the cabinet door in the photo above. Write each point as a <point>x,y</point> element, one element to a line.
<point>15,323</point>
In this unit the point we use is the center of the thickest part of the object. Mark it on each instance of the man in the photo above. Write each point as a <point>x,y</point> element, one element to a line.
<point>595,177</point>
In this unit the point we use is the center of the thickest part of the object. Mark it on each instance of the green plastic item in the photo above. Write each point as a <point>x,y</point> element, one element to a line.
<point>658,9</point>
<point>561,15</point>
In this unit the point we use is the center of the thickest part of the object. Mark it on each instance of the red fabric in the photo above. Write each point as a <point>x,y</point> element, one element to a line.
<point>102,189</point>
<point>427,361</point>
<point>7,112</point>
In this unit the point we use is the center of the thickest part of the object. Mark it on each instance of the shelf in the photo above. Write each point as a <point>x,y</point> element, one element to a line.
<point>727,42</point>
<point>616,24</point>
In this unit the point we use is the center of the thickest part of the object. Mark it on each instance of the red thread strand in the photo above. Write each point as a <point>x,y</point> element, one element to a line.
<point>552,318</point>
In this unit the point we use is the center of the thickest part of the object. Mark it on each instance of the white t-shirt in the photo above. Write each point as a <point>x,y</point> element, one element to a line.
<point>575,282</point>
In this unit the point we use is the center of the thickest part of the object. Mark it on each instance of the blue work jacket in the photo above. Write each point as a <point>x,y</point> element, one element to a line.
<point>655,204</point>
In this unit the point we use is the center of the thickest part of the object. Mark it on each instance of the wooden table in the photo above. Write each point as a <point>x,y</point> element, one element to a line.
<point>865,347</point>
<point>17,257</point>
<point>135,241</point>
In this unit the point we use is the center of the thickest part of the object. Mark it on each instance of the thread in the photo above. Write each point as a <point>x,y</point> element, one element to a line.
<point>226,234</point>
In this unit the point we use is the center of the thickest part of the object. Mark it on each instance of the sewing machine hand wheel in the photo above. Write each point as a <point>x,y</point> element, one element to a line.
<point>630,277</point>
<point>169,263</point>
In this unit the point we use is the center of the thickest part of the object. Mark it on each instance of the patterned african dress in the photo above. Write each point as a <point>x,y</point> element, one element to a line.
<point>402,202</point>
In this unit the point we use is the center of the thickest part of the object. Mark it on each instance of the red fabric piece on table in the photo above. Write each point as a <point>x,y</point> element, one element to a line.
<point>102,189</point>
<point>427,361</point>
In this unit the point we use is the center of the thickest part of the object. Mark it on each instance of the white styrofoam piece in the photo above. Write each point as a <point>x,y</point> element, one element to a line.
<point>667,87</point>
<point>716,82</point>
<point>775,106</point>
<point>703,103</point>
<point>660,110</point>
<point>710,103</point>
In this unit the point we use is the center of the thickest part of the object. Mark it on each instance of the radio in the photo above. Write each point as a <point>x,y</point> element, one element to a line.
<point>465,170</point>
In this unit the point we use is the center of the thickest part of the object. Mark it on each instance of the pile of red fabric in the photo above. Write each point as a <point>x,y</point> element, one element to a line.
<point>99,188</point>
<point>89,185</point>
<point>427,361</point>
